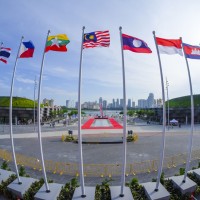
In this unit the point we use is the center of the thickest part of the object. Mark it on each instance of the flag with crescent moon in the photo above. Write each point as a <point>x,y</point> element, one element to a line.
<point>96,39</point>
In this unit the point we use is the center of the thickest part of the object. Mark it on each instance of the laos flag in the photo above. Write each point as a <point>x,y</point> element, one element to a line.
<point>26,50</point>
<point>191,51</point>
<point>134,44</point>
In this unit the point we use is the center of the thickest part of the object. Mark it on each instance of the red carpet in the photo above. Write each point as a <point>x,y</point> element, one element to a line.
<point>115,125</point>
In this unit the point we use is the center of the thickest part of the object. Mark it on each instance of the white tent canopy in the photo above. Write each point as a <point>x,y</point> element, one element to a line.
<point>173,121</point>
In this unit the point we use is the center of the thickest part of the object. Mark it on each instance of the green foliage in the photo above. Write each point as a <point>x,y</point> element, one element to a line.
<point>3,187</point>
<point>182,171</point>
<point>183,102</point>
<point>68,190</point>
<point>4,166</point>
<point>18,102</point>
<point>103,191</point>
<point>22,172</point>
<point>137,190</point>
<point>30,193</point>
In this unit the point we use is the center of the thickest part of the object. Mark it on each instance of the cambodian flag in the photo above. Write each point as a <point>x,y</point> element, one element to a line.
<point>26,50</point>
<point>191,51</point>
<point>134,44</point>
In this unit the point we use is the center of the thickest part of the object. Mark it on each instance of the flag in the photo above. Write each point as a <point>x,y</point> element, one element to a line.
<point>169,46</point>
<point>4,54</point>
<point>191,51</point>
<point>96,39</point>
<point>57,43</point>
<point>134,44</point>
<point>26,50</point>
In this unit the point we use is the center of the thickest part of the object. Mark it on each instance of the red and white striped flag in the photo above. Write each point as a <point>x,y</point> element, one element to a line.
<point>96,39</point>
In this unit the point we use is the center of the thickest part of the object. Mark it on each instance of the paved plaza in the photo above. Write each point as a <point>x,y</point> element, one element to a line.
<point>146,148</point>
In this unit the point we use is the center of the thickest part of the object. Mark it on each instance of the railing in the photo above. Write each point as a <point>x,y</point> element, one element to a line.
<point>98,170</point>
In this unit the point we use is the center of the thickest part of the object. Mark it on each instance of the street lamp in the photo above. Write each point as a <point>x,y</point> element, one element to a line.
<point>35,86</point>
<point>167,85</point>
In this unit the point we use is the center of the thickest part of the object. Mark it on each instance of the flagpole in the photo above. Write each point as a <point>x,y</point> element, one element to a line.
<point>79,123</point>
<point>10,115</point>
<point>38,119</point>
<point>192,119</point>
<point>35,85</point>
<point>164,119</point>
<point>124,120</point>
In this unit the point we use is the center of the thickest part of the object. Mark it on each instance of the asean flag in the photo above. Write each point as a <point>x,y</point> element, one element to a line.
<point>26,50</point>
<point>134,44</point>
<point>169,46</point>
<point>191,51</point>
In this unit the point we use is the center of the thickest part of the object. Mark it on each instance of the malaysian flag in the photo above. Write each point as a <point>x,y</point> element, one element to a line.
<point>96,39</point>
<point>4,54</point>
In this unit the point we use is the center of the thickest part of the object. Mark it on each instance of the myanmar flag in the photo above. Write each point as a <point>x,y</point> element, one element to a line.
<point>57,43</point>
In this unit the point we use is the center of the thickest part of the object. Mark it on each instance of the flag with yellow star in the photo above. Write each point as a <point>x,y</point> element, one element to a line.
<point>57,43</point>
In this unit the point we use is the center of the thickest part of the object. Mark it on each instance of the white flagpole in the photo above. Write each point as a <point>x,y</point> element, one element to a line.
<point>10,115</point>
<point>192,120</point>
<point>124,120</point>
<point>35,85</point>
<point>164,119</point>
<point>38,119</point>
<point>79,123</point>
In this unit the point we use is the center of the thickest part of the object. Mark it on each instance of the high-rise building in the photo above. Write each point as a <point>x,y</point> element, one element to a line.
<point>100,101</point>
<point>121,103</point>
<point>129,103</point>
<point>113,103</point>
<point>67,103</point>
<point>104,104</point>
<point>117,103</point>
<point>133,104</point>
<point>142,103</point>
<point>150,100</point>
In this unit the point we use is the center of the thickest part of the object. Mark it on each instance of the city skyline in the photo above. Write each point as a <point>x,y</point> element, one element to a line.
<point>102,67</point>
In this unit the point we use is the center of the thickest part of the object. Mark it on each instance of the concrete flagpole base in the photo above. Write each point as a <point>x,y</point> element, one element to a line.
<point>20,189</point>
<point>4,174</point>
<point>54,188</point>
<point>188,187</point>
<point>161,194</point>
<point>115,193</point>
<point>89,192</point>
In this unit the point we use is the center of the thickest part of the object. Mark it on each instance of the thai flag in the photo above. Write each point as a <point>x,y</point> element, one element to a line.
<point>134,44</point>
<point>191,51</point>
<point>4,54</point>
<point>26,50</point>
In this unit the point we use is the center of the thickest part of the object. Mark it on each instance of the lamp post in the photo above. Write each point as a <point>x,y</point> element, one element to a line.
<point>35,86</point>
<point>167,85</point>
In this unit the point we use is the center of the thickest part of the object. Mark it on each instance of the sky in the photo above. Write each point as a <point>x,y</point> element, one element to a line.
<point>101,67</point>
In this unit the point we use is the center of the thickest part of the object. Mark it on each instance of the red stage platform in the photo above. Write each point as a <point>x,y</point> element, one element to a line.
<point>113,122</point>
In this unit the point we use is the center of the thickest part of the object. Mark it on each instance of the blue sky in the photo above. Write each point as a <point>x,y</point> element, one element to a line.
<point>102,68</point>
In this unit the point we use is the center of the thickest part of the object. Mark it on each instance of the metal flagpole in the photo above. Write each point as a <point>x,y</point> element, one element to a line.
<point>10,115</point>
<point>79,123</point>
<point>35,85</point>
<point>192,120</point>
<point>124,120</point>
<point>167,85</point>
<point>38,119</point>
<point>164,119</point>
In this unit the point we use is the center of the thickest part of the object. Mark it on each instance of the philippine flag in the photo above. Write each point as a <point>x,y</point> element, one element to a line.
<point>134,44</point>
<point>26,50</point>
<point>169,46</point>
<point>191,51</point>
<point>4,54</point>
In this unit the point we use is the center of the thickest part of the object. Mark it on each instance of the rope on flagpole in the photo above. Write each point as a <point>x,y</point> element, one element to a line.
<point>192,119</point>
<point>10,115</point>
<point>124,120</point>
<point>79,123</point>
<point>38,119</point>
<point>164,119</point>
